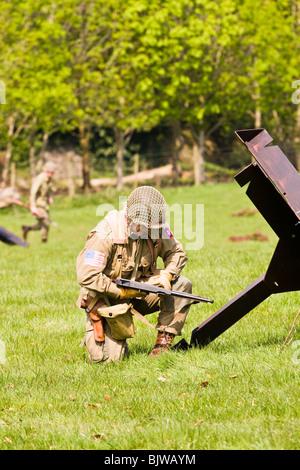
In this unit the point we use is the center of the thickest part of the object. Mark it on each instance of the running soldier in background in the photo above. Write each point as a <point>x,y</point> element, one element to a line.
<point>40,200</point>
<point>126,244</point>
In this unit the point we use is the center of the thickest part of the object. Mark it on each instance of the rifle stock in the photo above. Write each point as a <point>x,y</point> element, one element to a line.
<point>144,287</point>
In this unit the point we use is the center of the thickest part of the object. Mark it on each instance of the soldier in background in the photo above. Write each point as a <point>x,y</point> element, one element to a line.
<point>40,200</point>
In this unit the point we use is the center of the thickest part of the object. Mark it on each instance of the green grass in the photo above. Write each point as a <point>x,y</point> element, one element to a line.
<point>240,392</point>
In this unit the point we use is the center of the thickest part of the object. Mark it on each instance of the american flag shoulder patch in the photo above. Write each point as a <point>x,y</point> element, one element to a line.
<point>94,258</point>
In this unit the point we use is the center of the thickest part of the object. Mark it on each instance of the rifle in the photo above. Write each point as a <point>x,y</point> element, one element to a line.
<point>22,204</point>
<point>144,287</point>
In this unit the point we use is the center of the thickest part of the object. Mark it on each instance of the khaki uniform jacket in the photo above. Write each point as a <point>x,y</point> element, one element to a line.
<point>102,259</point>
<point>40,192</point>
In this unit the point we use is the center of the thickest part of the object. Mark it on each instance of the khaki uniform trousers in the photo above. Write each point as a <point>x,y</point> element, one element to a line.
<point>43,223</point>
<point>172,315</point>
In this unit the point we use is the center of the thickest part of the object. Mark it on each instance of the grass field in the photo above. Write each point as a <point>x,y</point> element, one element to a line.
<point>240,392</point>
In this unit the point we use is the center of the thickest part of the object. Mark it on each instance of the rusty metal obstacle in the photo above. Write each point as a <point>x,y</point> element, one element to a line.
<point>274,188</point>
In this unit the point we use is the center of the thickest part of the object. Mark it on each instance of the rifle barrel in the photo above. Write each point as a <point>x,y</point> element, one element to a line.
<point>141,286</point>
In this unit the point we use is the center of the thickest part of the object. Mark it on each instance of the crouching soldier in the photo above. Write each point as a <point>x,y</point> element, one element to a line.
<point>126,244</point>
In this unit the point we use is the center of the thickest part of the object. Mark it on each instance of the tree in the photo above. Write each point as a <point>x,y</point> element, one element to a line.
<point>186,45</point>
<point>88,28</point>
<point>195,65</point>
<point>126,107</point>
<point>39,97</point>
<point>266,60</point>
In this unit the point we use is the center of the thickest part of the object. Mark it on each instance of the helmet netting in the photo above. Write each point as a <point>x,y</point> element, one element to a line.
<point>146,206</point>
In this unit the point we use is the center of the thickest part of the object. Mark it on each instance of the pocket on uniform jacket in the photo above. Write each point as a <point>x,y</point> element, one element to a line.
<point>145,262</point>
<point>128,268</point>
<point>113,259</point>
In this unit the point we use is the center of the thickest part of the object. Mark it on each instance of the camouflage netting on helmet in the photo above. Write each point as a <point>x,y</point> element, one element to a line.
<point>146,206</point>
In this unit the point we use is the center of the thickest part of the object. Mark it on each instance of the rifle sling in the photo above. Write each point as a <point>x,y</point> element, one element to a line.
<point>141,317</point>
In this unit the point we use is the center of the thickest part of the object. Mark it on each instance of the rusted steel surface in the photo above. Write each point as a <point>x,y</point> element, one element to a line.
<point>274,188</point>
<point>283,274</point>
<point>274,163</point>
<point>230,313</point>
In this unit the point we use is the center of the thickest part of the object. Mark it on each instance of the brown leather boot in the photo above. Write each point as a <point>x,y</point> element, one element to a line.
<point>163,343</point>
<point>25,231</point>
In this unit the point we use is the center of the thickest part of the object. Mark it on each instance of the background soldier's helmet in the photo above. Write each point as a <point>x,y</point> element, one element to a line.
<point>49,166</point>
<point>146,206</point>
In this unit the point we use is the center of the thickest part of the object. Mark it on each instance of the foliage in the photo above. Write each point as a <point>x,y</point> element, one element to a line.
<point>202,65</point>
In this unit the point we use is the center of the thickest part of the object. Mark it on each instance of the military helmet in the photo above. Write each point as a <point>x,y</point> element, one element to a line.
<point>146,206</point>
<point>49,166</point>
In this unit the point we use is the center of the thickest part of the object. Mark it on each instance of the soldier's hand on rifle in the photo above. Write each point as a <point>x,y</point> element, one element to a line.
<point>163,279</point>
<point>127,293</point>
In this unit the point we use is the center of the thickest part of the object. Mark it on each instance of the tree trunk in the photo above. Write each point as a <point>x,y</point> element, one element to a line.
<point>176,147</point>
<point>199,152</point>
<point>42,159</point>
<point>32,149</point>
<point>71,176</point>
<point>120,154</point>
<point>297,139</point>
<point>257,121</point>
<point>13,175</point>
<point>84,139</point>
<point>32,157</point>
<point>8,153</point>
<point>136,168</point>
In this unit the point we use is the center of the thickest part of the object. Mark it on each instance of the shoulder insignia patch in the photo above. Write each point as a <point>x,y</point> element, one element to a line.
<point>167,231</point>
<point>94,258</point>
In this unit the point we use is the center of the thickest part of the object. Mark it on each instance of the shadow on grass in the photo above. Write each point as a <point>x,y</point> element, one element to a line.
<point>226,346</point>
